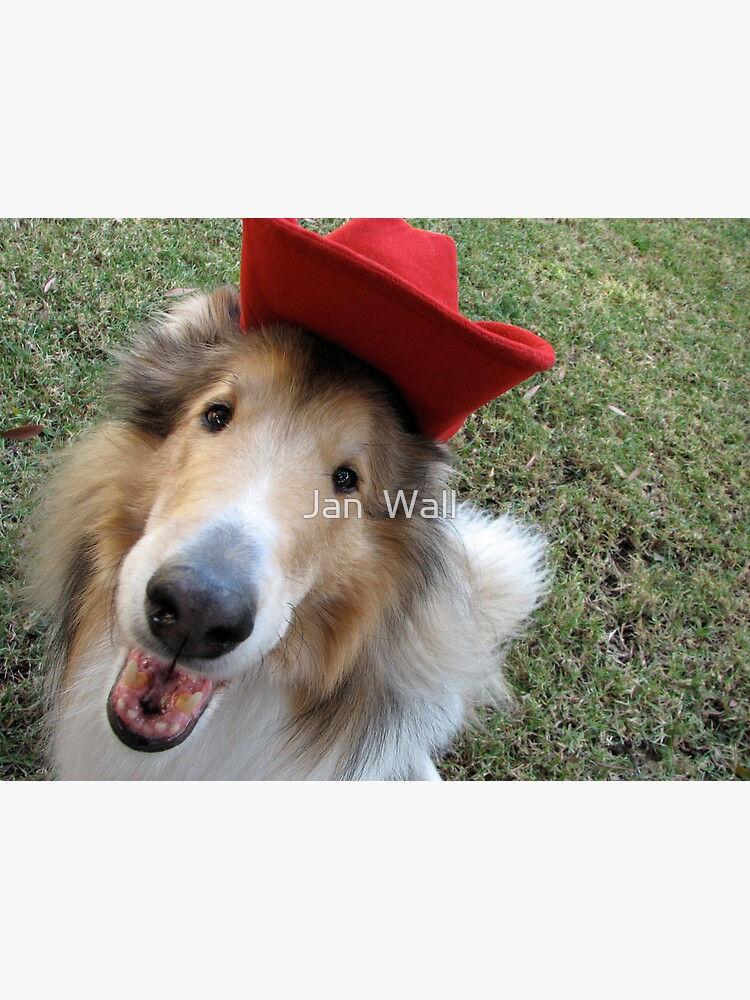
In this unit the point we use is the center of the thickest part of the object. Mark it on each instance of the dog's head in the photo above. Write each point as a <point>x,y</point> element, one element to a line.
<point>268,529</point>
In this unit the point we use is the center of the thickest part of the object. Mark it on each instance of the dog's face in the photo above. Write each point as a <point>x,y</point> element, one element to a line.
<point>266,521</point>
<point>233,487</point>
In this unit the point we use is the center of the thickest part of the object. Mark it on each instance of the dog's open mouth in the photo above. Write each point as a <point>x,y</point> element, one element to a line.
<point>155,705</point>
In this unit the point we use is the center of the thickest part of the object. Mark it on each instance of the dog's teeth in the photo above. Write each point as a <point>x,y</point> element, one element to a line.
<point>121,705</point>
<point>174,730</point>
<point>160,727</point>
<point>133,677</point>
<point>188,703</point>
<point>132,714</point>
<point>131,672</point>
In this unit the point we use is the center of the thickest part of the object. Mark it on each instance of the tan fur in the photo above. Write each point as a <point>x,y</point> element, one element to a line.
<point>92,496</point>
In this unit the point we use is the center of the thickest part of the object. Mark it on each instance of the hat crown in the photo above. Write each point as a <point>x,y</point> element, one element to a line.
<point>388,294</point>
<point>426,261</point>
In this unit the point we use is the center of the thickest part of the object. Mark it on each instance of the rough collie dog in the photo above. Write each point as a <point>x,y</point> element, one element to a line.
<point>208,624</point>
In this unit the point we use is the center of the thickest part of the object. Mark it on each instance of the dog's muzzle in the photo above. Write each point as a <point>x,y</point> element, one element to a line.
<point>199,605</point>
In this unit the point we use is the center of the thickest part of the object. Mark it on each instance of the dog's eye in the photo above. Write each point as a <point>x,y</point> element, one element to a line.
<point>345,480</point>
<point>217,417</point>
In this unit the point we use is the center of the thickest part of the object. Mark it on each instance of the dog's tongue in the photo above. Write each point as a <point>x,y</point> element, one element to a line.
<point>155,705</point>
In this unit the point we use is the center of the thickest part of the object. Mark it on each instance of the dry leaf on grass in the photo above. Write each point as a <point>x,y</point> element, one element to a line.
<point>617,410</point>
<point>532,392</point>
<point>24,433</point>
<point>49,284</point>
<point>179,291</point>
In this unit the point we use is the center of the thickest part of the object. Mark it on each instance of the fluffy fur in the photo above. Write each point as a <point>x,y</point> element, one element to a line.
<point>374,638</point>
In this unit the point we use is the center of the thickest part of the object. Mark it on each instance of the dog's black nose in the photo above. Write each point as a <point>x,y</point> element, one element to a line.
<point>200,609</point>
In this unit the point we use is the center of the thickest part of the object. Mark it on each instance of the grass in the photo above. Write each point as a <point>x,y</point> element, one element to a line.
<point>631,453</point>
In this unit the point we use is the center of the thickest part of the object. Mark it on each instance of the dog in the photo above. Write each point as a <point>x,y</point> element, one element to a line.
<point>250,570</point>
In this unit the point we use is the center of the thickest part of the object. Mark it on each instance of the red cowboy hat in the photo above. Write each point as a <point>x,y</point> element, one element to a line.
<point>387,293</point>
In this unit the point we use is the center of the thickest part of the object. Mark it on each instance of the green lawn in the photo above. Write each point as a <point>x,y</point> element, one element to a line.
<point>631,453</point>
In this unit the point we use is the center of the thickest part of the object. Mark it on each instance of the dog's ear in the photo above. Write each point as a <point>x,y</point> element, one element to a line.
<point>204,318</point>
<point>228,299</point>
<point>235,309</point>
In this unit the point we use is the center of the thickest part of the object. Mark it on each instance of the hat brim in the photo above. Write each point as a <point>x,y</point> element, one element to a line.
<point>444,365</point>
